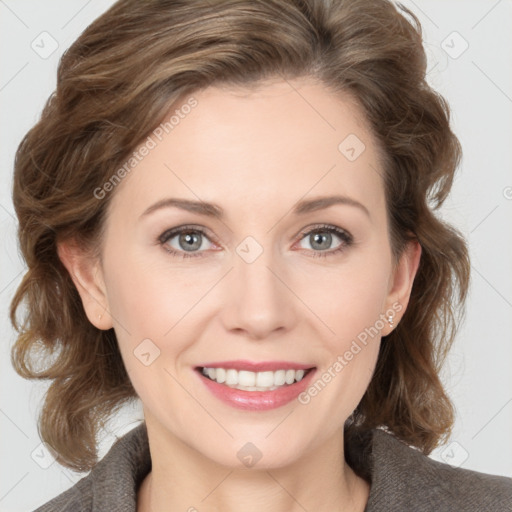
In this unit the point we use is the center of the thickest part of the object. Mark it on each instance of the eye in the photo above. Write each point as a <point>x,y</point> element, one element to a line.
<point>320,240</point>
<point>189,243</point>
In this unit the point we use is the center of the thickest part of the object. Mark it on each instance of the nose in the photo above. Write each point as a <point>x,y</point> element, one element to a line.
<point>258,300</point>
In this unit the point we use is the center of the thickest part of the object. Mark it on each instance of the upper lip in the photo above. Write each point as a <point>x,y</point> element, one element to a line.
<point>261,366</point>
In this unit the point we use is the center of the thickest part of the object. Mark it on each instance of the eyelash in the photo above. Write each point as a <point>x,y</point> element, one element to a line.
<point>345,237</point>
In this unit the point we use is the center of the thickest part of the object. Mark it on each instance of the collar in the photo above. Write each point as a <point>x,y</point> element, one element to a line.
<point>402,478</point>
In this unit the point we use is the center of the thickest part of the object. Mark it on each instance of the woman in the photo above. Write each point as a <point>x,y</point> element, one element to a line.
<point>227,210</point>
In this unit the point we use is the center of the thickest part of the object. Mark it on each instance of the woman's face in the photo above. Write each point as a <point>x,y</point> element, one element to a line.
<point>268,276</point>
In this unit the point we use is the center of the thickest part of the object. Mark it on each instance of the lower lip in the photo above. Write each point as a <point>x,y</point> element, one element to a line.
<point>257,400</point>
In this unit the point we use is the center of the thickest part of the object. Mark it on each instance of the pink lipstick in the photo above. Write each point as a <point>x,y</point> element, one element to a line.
<point>256,386</point>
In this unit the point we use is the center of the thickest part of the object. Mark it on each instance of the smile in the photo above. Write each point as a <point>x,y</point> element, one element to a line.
<point>254,381</point>
<point>255,386</point>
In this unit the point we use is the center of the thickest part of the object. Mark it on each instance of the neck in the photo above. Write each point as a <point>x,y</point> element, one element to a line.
<point>181,479</point>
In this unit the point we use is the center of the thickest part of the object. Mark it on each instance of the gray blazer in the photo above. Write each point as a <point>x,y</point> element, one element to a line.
<point>402,479</point>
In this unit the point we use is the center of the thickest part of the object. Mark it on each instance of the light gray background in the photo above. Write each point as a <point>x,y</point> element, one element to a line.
<point>477,84</point>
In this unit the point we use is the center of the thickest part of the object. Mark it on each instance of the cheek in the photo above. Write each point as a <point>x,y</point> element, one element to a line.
<point>350,299</point>
<point>146,298</point>
<point>154,309</point>
<point>350,305</point>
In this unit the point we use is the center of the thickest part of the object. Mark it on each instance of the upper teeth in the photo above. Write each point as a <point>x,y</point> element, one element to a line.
<point>253,381</point>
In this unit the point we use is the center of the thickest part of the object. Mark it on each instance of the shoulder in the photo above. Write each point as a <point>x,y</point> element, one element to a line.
<point>112,484</point>
<point>77,499</point>
<point>403,478</point>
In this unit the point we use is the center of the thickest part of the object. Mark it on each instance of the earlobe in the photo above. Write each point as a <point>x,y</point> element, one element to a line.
<point>85,271</point>
<point>401,283</point>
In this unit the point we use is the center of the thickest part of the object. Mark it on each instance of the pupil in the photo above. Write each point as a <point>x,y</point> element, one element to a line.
<point>327,237</point>
<point>191,241</point>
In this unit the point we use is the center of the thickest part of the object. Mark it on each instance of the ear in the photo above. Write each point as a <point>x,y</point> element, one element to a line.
<point>87,275</point>
<point>401,282</point>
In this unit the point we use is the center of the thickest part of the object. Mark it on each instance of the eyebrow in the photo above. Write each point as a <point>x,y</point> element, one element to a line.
<point>215,211</point>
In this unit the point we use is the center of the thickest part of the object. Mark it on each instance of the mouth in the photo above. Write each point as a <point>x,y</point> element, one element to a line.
<point>246,380</point>
<point>255,386</point>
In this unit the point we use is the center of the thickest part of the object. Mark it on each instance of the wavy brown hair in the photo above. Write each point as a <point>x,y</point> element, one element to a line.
<point>114,85</point>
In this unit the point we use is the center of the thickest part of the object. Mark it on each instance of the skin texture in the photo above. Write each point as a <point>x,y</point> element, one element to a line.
<point>254,152</point>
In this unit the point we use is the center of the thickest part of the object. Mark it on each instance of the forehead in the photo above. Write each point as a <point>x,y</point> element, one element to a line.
<point>258,147</point>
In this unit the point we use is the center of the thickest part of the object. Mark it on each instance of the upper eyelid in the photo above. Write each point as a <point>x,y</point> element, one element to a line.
<point>172,232</point>
<point>319,227</point>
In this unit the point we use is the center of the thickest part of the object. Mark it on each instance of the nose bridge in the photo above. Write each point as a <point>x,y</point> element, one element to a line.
<point>259,302</point>
<point>252,269</point>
